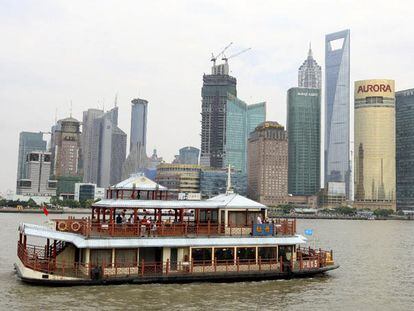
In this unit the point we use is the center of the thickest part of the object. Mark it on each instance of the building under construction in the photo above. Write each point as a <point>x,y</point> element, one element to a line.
<point>217,88</point>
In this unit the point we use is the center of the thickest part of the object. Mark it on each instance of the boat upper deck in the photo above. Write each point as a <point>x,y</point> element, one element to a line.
<point>223,215</point>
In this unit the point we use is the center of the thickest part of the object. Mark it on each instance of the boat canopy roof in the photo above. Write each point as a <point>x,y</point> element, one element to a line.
<point>222,201</point>
<point>81,242</point>
<point>138,182</point>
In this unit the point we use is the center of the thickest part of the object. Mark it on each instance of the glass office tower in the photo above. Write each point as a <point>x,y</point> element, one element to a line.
<point>304,129</point>
<point>241,120</point>
<point>337,109</point>
<point>404,109</point>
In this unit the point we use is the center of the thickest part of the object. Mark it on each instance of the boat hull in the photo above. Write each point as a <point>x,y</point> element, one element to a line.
<point>181,278</point>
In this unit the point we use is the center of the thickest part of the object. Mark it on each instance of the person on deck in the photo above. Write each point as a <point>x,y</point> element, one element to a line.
<point>118,219</point>
<point>259,220</point>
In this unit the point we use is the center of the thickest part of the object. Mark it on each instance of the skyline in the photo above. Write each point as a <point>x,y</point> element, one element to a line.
<point>54,54</point>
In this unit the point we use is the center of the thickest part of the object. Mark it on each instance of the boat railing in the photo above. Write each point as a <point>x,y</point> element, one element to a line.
<point>89,228</point>
<point>35,258</point>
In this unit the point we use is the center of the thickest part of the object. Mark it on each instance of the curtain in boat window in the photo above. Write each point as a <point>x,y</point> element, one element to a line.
<point>101,256</point>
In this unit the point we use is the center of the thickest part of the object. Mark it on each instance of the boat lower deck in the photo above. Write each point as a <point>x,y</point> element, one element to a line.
<point>146,278</point>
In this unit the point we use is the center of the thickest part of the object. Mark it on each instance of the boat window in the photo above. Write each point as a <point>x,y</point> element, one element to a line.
<point>245,253</point>
<point>224,254</point>
<point>101,257</point>
<point>237,218</point>
<point>206,215</point>
<point>201,254</point>
<point>267,253</point>
<point>125,256</point>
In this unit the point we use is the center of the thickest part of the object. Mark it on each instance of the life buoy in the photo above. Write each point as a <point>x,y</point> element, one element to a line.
<point>62,226</point>
<point>75,226</point>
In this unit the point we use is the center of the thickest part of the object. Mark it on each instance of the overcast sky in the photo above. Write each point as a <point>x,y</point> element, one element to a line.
<point>53,52</point>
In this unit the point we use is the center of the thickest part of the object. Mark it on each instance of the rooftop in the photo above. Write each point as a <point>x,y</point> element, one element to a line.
<point>138,182</point>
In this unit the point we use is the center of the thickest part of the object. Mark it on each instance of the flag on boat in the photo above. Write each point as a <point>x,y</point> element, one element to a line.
<point>45,211</point>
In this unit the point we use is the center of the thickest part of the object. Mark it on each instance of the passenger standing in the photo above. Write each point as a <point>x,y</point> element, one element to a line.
<point>259,220</point>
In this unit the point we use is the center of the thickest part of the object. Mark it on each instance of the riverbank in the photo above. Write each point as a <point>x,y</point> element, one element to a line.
<point>64,210</point>
<point>340,217</point>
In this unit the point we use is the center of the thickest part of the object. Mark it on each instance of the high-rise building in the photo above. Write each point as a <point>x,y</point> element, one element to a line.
<point>66,148</point>
<point>310,73</point>
<point>303,128</point>
<point>179,177</point>
<point>139,112</point>
<point>137,159</point>
<point>188,155</point>
<point>267,176</point>
<point>106,155</point>
<point>37,181</point>
<point>375,144</point>
<point>241,120</point>
<point>337,109</point>
<point>404,109</point>
<point>28,142</point>
<point>215,90</point>
<point>214,182</point>
<point>90,144</point>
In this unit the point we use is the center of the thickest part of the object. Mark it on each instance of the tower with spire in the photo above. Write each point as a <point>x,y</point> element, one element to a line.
<point>310,73</point>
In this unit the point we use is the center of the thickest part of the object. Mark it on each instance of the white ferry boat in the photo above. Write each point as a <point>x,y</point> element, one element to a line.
<point>139,235</point>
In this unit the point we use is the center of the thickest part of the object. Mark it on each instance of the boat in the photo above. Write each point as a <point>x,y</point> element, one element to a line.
<point>141,233</point>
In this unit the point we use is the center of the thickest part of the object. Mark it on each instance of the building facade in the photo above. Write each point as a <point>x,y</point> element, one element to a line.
<point>214,182</point>
<point>375,184</point>
<point>241,120</point>
<point>214,93</point>
<point>310,73</point>
<point>66,148</point>
<point>188,155</point>
<point>404,109</point>
<point>303,127</point>
<point>179,177</point>
<point>107,153</point>
<point>337,109</point>
<point>139,112</point>
<point>37,181</point>
<point>28,142</point>
<point>267,176</point>
<point>88,191</point>
<point>90,144</point>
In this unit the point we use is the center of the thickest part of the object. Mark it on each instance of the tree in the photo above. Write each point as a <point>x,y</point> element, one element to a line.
<point>382,212</point>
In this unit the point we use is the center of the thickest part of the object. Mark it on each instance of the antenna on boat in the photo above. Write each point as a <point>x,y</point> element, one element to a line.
<point>229,188</point>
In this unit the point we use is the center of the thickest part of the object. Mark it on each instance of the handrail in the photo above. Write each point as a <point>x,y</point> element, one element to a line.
<point>33,258</point>
<point>88,228</point>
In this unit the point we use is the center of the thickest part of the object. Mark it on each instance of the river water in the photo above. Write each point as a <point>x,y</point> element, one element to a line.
<point>376,273</point>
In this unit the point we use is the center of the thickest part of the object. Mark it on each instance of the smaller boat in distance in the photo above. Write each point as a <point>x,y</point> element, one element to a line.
<point>139,235</point>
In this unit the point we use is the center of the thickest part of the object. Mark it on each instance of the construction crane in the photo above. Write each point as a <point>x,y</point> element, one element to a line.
<point>234,55</point>
<point>214,58</point>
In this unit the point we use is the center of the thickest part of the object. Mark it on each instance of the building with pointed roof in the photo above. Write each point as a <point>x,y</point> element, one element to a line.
<point>310,73</point>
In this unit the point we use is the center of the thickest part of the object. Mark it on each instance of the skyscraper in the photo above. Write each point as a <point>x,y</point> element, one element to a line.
<point>267,176</point>
<point>303,127</point>
<point>241,120</point>
<point>214,92</point>
<point>137,157</point>
<point>375,140</point>
<point>310,73</point>
<point>404,107</point>
<point>65,147</point>
<point>188,155</point>
<point>106,149</point>
<point>37,181</point>
<point>139,112</point>
<point>90,144</point>
<point>337,109</point>
<point>28,142</point>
